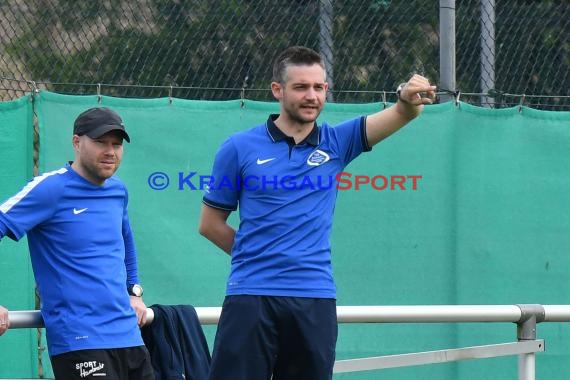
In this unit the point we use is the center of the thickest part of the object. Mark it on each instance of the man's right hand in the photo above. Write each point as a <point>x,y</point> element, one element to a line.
<point>4,320</point>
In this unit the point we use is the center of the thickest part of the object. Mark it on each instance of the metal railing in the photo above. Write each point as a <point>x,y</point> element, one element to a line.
<point>526,317</point>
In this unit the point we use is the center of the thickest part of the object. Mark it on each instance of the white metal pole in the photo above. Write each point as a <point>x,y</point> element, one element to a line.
<point>370,314</point>
<point>527,368</point>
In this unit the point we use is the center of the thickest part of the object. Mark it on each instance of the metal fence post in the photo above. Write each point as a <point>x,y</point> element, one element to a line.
<point>487,50</point>
<point>326,41</point>
<point>447,48</point>
<point>526,330</point>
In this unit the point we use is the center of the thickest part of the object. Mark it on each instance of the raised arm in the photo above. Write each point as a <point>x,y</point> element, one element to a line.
<point>412,97</point>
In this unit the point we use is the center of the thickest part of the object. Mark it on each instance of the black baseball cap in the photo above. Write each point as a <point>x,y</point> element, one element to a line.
<point>95,122</point>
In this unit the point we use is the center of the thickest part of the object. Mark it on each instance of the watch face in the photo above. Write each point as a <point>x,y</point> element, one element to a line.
<point>137,290</point>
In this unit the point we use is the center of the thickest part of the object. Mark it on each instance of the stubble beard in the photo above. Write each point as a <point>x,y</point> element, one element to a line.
<point>99,174</point>
<point>296,115</point>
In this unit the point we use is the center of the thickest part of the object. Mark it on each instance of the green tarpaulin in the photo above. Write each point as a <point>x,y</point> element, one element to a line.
<point>487,222</point>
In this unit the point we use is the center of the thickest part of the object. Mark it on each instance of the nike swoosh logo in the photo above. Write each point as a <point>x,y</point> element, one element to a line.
<point>261,162</point>
<point>76,211</point>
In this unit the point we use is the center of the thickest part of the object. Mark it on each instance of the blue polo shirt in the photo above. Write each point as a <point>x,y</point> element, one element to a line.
<point>83,255</point>
<point>286,195</point>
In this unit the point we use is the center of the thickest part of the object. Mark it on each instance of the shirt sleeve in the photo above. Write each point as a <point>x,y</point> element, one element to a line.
<point>130,249</point>
<point>350,139</point>
<point>3,229</point>
<point>224,186</point>
<point>32,205</point>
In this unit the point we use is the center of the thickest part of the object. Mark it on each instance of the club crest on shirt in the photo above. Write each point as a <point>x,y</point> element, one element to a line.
<point>318,157</point>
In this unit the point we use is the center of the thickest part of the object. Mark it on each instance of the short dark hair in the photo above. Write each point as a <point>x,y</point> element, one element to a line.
<point>294,55</point>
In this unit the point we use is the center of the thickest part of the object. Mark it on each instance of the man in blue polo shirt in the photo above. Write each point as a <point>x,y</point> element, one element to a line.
<point>279,316</point>
<point>83,256</point>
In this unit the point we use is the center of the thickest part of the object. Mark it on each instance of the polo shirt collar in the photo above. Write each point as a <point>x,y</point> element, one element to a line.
<point>277,135</point>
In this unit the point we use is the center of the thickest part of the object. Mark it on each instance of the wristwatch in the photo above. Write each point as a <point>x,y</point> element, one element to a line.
<point>135,290</point>
<point>399,92</point>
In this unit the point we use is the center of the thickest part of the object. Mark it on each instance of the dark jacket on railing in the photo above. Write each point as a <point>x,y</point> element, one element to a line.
<point>176,342</point>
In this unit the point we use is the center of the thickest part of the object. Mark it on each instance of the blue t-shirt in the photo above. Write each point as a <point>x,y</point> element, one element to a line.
<point>286,194</point>
<point>83,255</point>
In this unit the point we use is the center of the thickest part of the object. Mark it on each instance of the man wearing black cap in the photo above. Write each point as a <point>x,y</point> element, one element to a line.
<point>95,130</point>
<point>84,257</point>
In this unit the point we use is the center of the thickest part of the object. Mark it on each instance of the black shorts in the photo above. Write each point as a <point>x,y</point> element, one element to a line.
<point>289,338</point>
<point>132,363</point>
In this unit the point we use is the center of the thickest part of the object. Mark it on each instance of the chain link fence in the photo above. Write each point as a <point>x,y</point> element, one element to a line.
<point>507,52</point>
